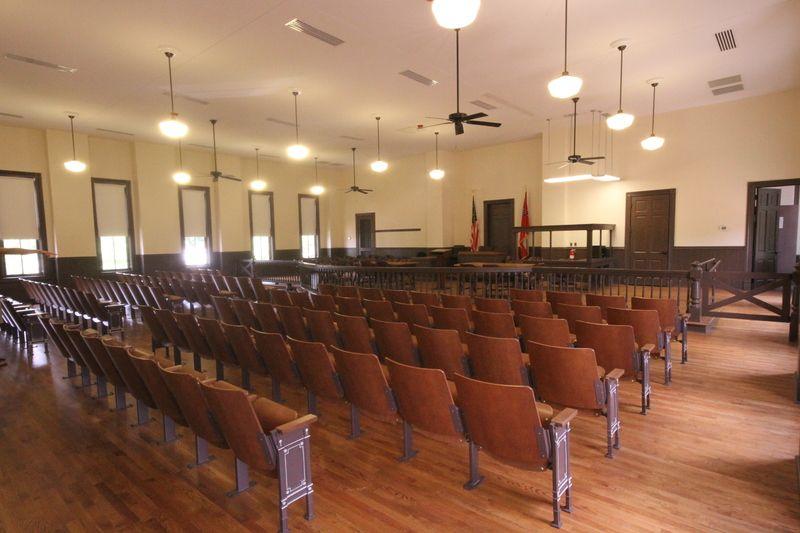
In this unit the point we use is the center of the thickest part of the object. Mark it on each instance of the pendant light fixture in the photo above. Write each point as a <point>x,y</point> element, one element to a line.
<point>565,86</point>
<point>455,14</point>
<point>654,142</point>
<point>620,120</point>
<point>172,127</point>
<point>74,165</point>
<point>181,177</point>
<point>437,173</point>
<point>297,150</point>
<point>317,189</point>
<point>379,165</point>
<point>258,184</point>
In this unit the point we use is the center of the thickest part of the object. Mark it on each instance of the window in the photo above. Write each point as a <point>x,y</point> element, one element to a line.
<point>195,213</point>
<point>261,225</point>
<point>309,226</point>
<point>21,222</point>
<point>113,223</point>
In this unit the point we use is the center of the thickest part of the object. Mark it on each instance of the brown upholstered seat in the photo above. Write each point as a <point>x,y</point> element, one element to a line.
<point>347,291</point>
<point>394,295</point>
<point>451,318</point>
<point>279,297</point>
<point>291,318</point>
<point>224,308</point>
<point>322,327</point>
<point>647,330</point>
<point>379,310</point>
<point>267,436</point>
<point>492,305</point>
<point>95,344</point>
<point>370,293</point>
<point>428,299</point>
<point>244,313</point>
<point>324,302</point>
<point>530,308</point>
<point>569,377</point>
<point>559,297</point>
<point>74,335</point>
<point>394,341</point>
<point>158,335</point>
<point>412,314</point>
<point>458,300</point>
<point>495,324</point>
<point>503,421</point>
<point>615,347</point>
<point>266,317</point>
<point>672,320</point>
<point>365,387</point>
<point>604,301</point>
<point>586,313</point>
<point>118,353</point>
<point>301,299</point>
<point>355,333</point>
<point>147,365</point>
<point>551,331</point>
<point>526,295</point>
<point>497,360</point>
<point>275,353</point>
<point>220,348</point>
<point>241,344</point>
<point>317,371</point>
<point>442,349</point>
<point>349,305</point>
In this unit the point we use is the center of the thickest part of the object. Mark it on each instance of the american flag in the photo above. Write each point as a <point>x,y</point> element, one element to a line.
<point>522,245</point>
<point>475,231</point>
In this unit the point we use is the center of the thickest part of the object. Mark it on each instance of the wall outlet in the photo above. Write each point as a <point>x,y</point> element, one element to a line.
<point>722,228</point>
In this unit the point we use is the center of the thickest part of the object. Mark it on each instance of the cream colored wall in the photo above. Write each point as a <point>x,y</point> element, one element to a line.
<point>710,154</point>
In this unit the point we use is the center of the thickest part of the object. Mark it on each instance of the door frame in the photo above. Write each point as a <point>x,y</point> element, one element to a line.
<point>486,205</point>
<point>750,210</point>
<point>368,216</point>
<point>671,223</point>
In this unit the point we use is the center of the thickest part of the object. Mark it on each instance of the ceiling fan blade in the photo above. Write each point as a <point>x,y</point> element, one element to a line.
<point>459,128</point>
<point>433,125</point>
<point>362,191</point>
<point>557,163</point>
<point>595,157</point>
<point>439,118</point>
<point>484,123</point>
<point>566,164</point>
<point>474,116</point>
<point>368,190</point>
<point>585,162</point>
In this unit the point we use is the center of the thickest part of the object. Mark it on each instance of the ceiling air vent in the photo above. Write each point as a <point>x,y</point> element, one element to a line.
<point>303,27</point>
<point>281,122</point>
<point>187,97</point>
<point>40,63</point>
<point>728,89</point>
<point>419,78</point>
<point>351,138</point>
<point>506,103</point>
<point>115,132</point>
<point>728,84</point>
<point>725,40</point>
<point>483,105</point>
<point>10,115</point>
<point>205,146</point>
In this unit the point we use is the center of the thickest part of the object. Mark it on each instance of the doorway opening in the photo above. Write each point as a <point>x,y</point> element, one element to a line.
<point>772,225</point>
<point>650,229</point>
<point>365,234</point>
<point>498,223</point>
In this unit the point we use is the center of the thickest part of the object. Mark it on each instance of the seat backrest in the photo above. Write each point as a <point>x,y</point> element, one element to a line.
<point>244,313</point>
<point>316,369</point>
<point>322,327</point>
<point>74,335</point>
<point>458,300</point>
<point>277,357</point>
<point>184,384</point>
<point>280,297</point>
<point>224,308</point>
<point>355,333</point>
<point>667,309</point>
<point>614,345</point>
<point>497,360</point>
<point>503,421</point>
<point>493,305</point>
<point>370,293</point>
<point>261,293</point>
<point>291,318</point>
<point>428,299</point>
<point>530,308</point>
<point>242,345</point>
<point>451,318</point>
<point>646,324</point>
<point>246,287</point>
<point>566,376</point>
<point>118,353</point>
<point>571,313</point>
<point>412,314</point>
<point>394,341</point>
<point>442,349</point>
<point>604,301</point>
<point>326,289</point>
<point>526,295</point>
<point>215,337</point>
<point>69,349</point>
<point>552,331</point>
<point>324,302</point>
<point>364,383</point>
<point>379,310</point>
<point>301,299</point>
<point>266,317</point>
<point>50,325</point>
<point>347,291</point>
<point>233,285</point>
<point>147,366</point>
<point>395,295</point>
<point>494,324</point>
<point>193,334</point>
<point>558,297</point>
<point>349,305</point>
<point>167,320</point>
<point>424,399</point>
<point>95,345</point>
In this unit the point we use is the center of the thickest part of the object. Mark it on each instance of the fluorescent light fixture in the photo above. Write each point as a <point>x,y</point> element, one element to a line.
<point>567,179</point>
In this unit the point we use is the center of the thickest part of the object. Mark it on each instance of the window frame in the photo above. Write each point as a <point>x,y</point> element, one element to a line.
<point>207,191</point>
<point>271,200</point>
<point>300,223</point>
<point>41,243</point>
<point>130,234</point>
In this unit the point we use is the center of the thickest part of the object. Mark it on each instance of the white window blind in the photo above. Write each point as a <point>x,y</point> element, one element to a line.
<point>111,208</point>
<point>308,216</point>
<point>262,219</point>
<point>194,213</point>
<point>19,215</point>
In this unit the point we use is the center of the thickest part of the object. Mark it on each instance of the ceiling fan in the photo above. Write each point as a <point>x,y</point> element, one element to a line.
<point>576,158</point>
<point>354,187</point>
<point>458,119</point>
<point>216,174</point>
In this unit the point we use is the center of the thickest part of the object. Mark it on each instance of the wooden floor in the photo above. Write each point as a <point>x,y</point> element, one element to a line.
<point>715,453</point>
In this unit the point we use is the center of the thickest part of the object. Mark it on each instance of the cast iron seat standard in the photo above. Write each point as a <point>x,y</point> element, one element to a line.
<point>526,295</point>
<point>277,356</point>
<point>355,334</point>
<point>572,313</point>
<point>570,377</point>
<point>244,313</point>
<point>347,291</point>
<point>672,321</point>
<point>267,320</point>
<point>412,314</point>
<point>647,330</point>
<point>428,299</point>
<point>324,302</point>
<point>379,310</point>
<point>504,421</point>
<point>495,324</point>
<point>301,299</point>
<point>118,353</point>
<point>394,341</point>
<point>322,327</point>
<point>74,335</point>
<point>292,321</point>
<point>559,297</point>
<point>452,318</point>
<point>615,347</point>
<point>604,301</point>
<point>529,308</point>
<point>550,331</point>
<point>458,300</point>
<point>349,305</point>
<point>147,365</point>
<point>268,437</point>
<point>224,309</point>
<point>498,360</point>
<point>221,349</point>
<point>365,388</point>
<point>95,344</point>
<point>492,305</point>
<point>370,293</point>
<point>317,372</point>
<point>395,295</point>
<point>195,340</point>
<point>442,349</point>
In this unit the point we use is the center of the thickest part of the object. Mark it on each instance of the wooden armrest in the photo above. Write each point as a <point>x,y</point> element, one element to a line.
<point>615,374</point>
<point>573,338</point>
<point>647,348</point>
<point>296,424</point>
<point>563,417</point>
<point>227,293</point>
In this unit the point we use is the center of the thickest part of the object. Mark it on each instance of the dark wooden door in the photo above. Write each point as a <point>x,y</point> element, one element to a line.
<point>365,233</point>
<point>650,229</point>
<point>787,239</point>
<point>498,221</point>
<point>765,251</point>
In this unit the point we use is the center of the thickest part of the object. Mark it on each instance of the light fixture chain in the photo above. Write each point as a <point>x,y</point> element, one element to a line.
<point>214,139</point>
<point>316,171</point>
<point>180,154</point>
<point>171,94</point>
<point>437,149</point>
<point>296,125</point>
<point>378,121</point>
<point>258,169</point>
<point>72,132</point>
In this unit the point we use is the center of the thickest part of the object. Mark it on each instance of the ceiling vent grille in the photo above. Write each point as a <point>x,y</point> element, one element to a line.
<point>506,103</point>
<point>281,122</point>
<point>419,78</point>
<point>10,115</point>
<point>204,146</point>
<point>303,27</point>
<point>115,132</point>
<point>721,82</point>
<point>728,89</point>
<point>725,40</point>
<point>351,138</point>
<point>483,105</point>
<point>40,63</point>
<point>187,97</point>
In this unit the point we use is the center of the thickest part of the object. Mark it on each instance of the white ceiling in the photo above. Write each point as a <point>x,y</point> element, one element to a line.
<point>238,56</point>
